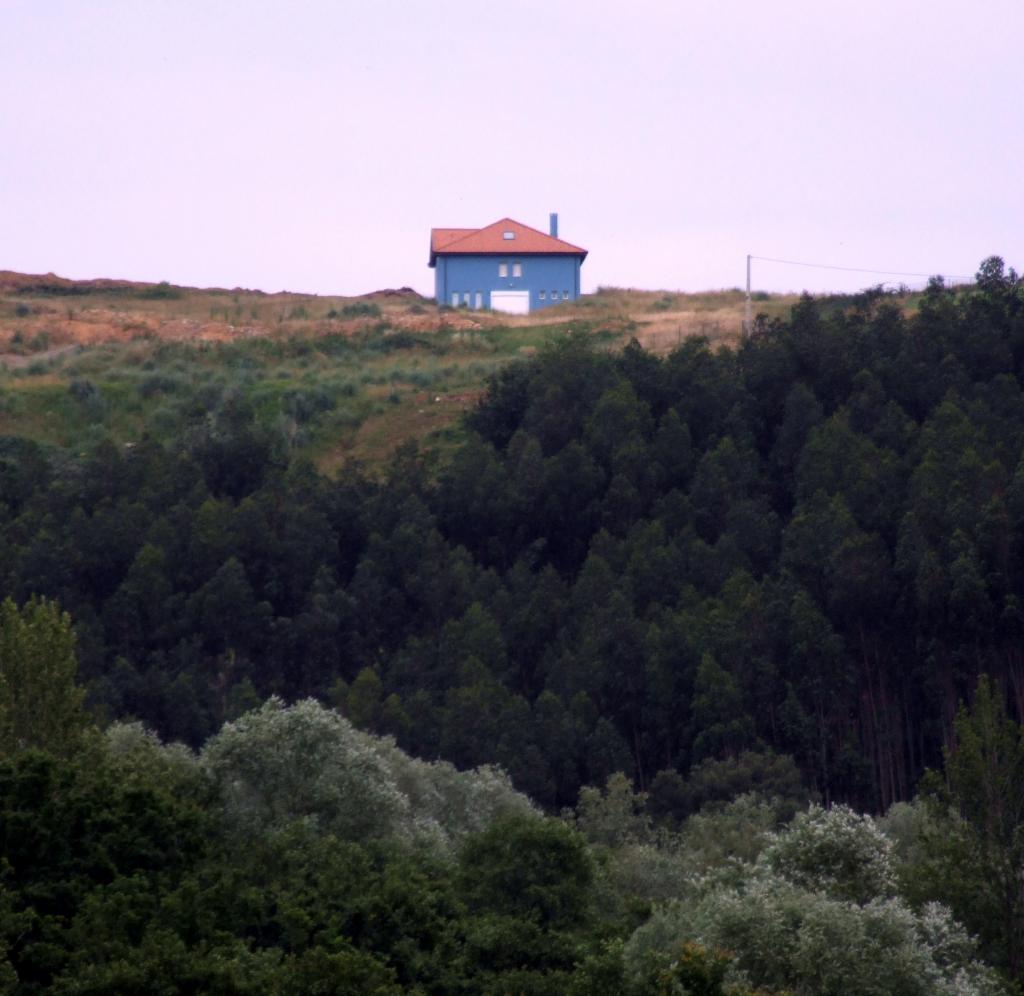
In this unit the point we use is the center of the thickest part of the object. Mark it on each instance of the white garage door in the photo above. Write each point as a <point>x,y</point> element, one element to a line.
<point>512,302</point>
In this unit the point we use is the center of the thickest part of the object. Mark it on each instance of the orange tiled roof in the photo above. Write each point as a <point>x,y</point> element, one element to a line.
<point>440,237</point>
<point>491,240</point>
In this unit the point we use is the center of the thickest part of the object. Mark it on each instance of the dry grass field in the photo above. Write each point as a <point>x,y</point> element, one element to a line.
<point>39,314</point>
<point>66,312</point>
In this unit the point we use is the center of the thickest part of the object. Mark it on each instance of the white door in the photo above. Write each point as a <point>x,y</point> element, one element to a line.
<point>511,302</point>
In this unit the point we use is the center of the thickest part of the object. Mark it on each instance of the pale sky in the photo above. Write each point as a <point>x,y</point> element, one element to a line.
<point>311,146</point>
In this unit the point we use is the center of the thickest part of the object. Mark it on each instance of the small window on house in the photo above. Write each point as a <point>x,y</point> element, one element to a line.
<point>542,295</point>
<point>455,299</point>
<point>554,295</point>
<point>479,299</point>
<point>565,295</point>
<point>517,269</point>
<point>508,235</point>
<point>503,269</point>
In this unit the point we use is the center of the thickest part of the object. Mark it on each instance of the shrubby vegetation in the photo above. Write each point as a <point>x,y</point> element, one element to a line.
<point>675,599</point>
<point>296,854</point>
<point>319,391</point>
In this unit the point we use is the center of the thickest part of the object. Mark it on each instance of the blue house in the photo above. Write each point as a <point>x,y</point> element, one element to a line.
<point>506,266</point>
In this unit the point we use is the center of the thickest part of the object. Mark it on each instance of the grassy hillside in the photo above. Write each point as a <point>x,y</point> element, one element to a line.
<point>340,377</point>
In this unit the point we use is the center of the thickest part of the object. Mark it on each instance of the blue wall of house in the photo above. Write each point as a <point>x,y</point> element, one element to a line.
<point>479,274</point>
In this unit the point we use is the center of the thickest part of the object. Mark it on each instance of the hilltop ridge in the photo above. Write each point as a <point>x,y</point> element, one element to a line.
<point>61,311</point>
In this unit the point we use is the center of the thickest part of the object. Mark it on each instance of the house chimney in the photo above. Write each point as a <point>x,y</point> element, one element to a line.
<point>553,225</point>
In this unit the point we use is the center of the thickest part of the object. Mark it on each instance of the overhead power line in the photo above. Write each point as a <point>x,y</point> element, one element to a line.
<point>747,325</point>
<point>860,269</point>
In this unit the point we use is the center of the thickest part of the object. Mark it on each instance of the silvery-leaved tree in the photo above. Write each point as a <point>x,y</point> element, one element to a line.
<point>836,851</point>
<point>817,914</point>
<point>279,765</point>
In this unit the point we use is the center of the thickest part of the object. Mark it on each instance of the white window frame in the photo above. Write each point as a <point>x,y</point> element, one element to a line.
<point>565,295</point>
<point>517,268</point>
<point>479,299</point>
<point>503,269</point>
<point>542,295</point>
<point>455,299</point>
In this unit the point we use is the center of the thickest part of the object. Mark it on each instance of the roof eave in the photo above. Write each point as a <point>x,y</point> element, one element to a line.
<point>582,253</point>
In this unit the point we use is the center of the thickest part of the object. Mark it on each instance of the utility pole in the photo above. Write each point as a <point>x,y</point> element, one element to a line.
<point>747,319</point>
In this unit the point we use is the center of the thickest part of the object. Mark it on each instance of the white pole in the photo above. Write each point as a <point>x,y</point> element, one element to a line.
<point>747,320</point>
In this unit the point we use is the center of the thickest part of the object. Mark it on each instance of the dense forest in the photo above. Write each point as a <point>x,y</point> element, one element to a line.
<point>675,599</point>
<point>809,546</point>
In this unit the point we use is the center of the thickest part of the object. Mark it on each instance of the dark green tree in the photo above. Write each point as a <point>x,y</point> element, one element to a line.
<point>975,845</point>
<point>40,704</point>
